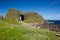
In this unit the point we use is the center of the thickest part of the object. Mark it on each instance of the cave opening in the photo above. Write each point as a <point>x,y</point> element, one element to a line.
<point>21,17</point>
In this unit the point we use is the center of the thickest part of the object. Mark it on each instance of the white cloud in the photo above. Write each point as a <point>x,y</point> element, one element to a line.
<point>53,17</point>
<point>54,3</point>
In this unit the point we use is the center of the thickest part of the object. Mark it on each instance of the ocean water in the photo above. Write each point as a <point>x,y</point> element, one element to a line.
<point>55,22</point>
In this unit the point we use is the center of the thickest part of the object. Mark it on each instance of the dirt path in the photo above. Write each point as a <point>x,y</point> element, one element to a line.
<point>31,25</point>
<point>26,24</point>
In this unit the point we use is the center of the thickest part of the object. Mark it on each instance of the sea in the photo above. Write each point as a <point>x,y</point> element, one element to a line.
<point>54,22</point>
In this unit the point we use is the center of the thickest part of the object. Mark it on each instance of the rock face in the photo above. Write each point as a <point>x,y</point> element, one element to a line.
<point>1,17</point>
<point>30,17</point>
<point>55,28</point>
<point>12,16</point>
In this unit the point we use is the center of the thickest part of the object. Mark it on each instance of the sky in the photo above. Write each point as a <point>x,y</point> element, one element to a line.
<point>49,9</point>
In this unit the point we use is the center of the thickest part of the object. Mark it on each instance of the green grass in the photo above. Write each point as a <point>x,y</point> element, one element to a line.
<point>12,16</point>
<point>19,32</point>
<point>11,28</point>
<point>32,19</point>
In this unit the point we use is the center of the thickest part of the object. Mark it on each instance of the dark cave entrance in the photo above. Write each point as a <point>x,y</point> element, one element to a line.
<point>21,17</point>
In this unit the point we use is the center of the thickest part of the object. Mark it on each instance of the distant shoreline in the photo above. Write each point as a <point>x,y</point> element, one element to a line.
<point>54,22</point>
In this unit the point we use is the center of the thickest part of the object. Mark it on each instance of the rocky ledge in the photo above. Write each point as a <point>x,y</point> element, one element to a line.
<point>50,27</point>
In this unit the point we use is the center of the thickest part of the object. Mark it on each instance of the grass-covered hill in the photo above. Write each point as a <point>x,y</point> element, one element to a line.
<point>33,17</point>
<point>19,32</point>
<point>12,29</point>
<point>30,17</point>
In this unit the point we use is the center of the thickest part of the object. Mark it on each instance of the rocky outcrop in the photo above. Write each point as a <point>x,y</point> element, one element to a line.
<point>33,17</point>
<point>12,16</point>
<point>1,17</point>
<point>30,17</point>
<point>51,27</point>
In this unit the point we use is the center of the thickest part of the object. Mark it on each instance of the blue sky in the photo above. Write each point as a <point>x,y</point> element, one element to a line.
<point>49,9</point>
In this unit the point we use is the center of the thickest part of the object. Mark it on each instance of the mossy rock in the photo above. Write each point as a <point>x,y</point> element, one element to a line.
<point>30,17</point>
<point>33,17</point>
<point>12,16</point>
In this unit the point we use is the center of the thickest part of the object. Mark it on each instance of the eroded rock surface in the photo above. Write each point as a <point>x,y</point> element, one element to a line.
<point>1,17</point>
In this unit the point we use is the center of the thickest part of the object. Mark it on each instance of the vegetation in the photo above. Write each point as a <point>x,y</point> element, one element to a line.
<point>12,16</point>
<point>20,32</point>
<point>32,17</point>
<point>11,29</point>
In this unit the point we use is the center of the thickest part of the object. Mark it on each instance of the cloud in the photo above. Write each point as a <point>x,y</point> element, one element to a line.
<point>58,15</point>
<point>53,17</point>
<point>54,2</point>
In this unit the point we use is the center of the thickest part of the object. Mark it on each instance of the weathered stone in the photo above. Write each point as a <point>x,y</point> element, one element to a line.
<point>1,17</point>
<point>12,16</point>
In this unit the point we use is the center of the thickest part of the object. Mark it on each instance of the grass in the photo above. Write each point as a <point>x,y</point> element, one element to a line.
<point>20,32</point>
<point>32,19</point>
<point>11,29</point>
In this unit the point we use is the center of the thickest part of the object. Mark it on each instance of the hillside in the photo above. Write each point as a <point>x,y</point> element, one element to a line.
<point>30,17</point>
<point>33,17</point>
<point>11,28</point>
<point>19,32</point>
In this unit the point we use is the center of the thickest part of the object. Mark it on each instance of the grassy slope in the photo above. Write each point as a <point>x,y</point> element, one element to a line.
<point>10,29</point>
<point>34,17</point>
<point>10,32</point>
